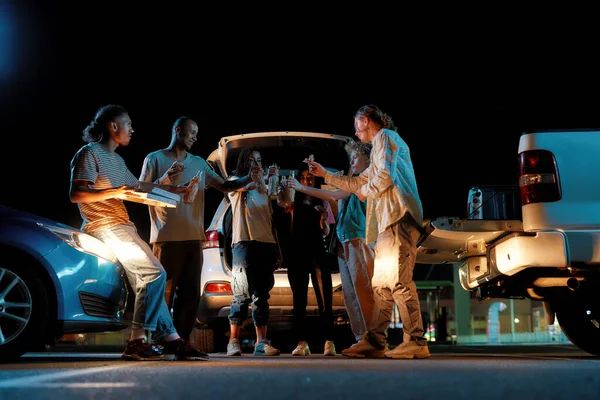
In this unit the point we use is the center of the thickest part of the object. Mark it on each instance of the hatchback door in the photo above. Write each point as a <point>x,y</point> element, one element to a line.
<point>286,149</point>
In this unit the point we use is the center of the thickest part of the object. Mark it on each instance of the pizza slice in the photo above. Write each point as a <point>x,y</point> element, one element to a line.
<point>310,159</point>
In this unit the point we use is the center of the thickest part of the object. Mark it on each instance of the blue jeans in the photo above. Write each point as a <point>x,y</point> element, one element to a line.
<point>253,279</point>
<point>146,276</point>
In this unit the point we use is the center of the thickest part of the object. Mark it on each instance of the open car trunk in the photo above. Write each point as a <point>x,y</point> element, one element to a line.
<point>287,150</point>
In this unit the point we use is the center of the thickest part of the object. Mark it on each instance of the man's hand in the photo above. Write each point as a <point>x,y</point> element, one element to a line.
<point>316,169</point>
<point>360,195</point>
<point>182,189</point>
<point>171,174</point>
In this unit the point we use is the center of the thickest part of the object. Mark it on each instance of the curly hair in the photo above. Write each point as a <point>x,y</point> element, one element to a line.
<point>359,148</point>
<point>97,127</point>
<point>243,166</point>
<point>373,113</point>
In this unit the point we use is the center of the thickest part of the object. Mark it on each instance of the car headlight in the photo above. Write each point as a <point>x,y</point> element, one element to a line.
<point>82,242</point>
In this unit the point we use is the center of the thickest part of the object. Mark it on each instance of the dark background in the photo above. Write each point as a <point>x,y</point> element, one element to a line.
<point>461,95</point>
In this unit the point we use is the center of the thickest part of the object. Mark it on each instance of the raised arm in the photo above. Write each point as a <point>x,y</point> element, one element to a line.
<point>215,181</point>
<point>347,183</point>
<point>329,195</point>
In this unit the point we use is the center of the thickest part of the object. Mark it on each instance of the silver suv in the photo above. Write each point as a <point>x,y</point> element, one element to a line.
<point>287,150</point>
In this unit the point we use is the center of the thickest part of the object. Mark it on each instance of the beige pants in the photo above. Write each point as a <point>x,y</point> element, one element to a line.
<point>395,255</point>
<point>356,274</point>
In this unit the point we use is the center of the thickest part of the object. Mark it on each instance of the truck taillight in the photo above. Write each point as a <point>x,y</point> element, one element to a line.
<point>218,288</point>
<point>213,240</point>
<point>538,177</point>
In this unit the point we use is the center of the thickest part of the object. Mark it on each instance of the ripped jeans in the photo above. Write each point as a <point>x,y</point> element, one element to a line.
<point>253,279</point>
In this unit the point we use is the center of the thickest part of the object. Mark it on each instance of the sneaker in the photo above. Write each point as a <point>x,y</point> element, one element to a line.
<point>264,348</point>
<point>139,350</point>
<point>329,348</point>
<point>233,348</point>
<point>182,350</point>
<point>409,350</point>
<point>364,349</point>
<point>301,350</point>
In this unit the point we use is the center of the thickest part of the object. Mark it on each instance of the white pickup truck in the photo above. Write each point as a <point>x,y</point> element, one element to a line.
<point>547,246</point>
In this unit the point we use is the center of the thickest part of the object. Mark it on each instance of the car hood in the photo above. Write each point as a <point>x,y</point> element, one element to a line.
<point>286,149</point>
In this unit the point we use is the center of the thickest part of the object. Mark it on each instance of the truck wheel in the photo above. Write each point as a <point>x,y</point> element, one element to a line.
<point>204,339</point>
<point>578,315</point>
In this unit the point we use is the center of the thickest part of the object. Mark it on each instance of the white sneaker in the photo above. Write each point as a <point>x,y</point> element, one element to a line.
<point>233,348</point>
<point>329,348</point>
<point>301,350</point>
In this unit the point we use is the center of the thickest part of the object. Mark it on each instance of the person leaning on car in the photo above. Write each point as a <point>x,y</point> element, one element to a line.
<point>100,181</point>
<point>176,234</point>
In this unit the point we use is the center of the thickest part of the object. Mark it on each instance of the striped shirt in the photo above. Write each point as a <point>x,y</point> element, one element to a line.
<point>104,169</point>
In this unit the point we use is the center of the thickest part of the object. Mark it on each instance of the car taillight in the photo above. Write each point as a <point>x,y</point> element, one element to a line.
<point>218,288</point>
<point>538,177</point>
<point>213,240</point>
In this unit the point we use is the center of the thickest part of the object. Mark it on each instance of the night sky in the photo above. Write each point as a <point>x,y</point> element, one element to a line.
<point>460,105</point>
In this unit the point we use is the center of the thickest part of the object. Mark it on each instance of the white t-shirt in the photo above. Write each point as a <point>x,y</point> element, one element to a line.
<point>251,220</point>
<point>186,221</point>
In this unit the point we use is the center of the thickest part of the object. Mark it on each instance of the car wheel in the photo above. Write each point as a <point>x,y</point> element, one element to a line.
<point>23,312</point>
<point>204,339</point>
<point>578,314</point>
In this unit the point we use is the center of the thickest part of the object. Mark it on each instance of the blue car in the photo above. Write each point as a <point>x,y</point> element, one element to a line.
<point>54,280</point>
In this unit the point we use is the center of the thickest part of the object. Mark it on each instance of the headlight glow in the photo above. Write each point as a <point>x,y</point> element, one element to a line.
<point>82,241</point>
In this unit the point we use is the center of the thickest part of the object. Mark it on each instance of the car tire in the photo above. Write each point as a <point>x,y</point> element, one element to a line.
<point>578,314</point>
<point>204,339</point>
<point>23,330</point>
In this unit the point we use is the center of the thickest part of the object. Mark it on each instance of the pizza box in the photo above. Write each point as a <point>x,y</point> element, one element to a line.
<point>155,197</point>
